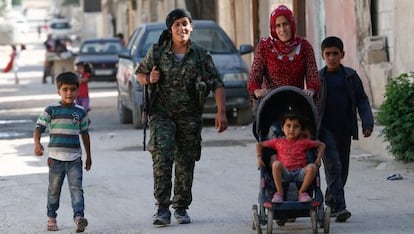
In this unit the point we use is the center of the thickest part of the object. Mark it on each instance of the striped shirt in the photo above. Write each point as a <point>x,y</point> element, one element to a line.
<point>65,123</point>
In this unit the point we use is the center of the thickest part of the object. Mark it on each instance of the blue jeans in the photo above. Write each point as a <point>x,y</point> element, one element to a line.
<point>57,172</point>
<point>293,176</point>
<point>335,196</point>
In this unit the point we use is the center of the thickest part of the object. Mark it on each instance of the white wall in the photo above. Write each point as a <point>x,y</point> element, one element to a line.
<point>403,25</point>
<point>385,24</point>
<point>235,17</point>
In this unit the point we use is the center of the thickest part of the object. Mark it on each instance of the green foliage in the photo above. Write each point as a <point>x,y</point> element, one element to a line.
<point>396,114</point>
<point>16,2</point>
<point>2,7</point>
<point>71,2</point>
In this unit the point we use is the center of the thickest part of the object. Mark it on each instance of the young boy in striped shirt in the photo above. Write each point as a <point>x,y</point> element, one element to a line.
<point>66,121</point>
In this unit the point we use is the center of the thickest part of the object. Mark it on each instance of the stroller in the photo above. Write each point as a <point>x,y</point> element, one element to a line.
<point>270,110</point>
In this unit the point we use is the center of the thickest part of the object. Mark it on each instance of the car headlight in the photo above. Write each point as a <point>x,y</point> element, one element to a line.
<point>235,77</point>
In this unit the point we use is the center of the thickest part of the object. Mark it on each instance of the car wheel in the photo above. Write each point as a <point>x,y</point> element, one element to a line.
<point>136,116</point>
<point>125,115</point>
<point>244,116</point>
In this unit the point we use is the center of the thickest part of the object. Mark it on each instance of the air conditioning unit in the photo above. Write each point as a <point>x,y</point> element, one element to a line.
<point>375,50</point>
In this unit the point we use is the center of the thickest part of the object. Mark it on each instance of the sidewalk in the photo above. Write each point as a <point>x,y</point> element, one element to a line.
<point>374,144</point>
<point>377,146</point>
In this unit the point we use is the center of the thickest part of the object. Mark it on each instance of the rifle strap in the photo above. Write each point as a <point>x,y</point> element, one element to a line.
<point>199,61</point>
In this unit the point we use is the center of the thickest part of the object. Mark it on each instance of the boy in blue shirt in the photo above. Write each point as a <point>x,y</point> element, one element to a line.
<point>342,96</point>
<point>65,121</point>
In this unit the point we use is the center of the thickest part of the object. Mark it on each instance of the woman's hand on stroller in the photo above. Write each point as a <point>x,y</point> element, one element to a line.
<point>261,93</point>
<point>309,92</point>
<point>318,162</point>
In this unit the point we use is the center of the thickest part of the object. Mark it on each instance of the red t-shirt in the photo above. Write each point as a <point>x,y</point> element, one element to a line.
<point>271,70</point>
<point>83,86</point>
<point>292,154</point>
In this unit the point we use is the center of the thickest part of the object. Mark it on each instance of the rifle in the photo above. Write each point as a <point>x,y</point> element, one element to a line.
<point>148,97</point>
<point>202,86</point>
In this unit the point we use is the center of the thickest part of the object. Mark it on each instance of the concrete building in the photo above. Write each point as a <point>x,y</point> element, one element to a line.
<point>366,50</point>
<point>375,32</point>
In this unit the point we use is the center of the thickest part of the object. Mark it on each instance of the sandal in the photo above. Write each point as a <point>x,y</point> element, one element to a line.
<point>52,225</point>
<point>395,177</point>
<point>277,198</point>
<point>81,224</point>
<point>304,197</point>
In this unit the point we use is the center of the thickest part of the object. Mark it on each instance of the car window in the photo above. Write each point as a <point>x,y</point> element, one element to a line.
<point>132,44</point>
<point>131,41</point>
<point>60,25</point>
<point>212,40</point>
<point>150,38</point>
<point>107,47</point>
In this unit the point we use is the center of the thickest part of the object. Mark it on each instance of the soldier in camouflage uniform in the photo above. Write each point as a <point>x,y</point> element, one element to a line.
<point>175,118</point>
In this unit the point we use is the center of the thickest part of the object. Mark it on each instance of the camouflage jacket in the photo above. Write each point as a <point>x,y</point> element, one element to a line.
<point>175,92</point>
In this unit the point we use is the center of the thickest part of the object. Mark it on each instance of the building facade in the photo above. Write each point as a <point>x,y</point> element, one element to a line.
<point>375,32</point>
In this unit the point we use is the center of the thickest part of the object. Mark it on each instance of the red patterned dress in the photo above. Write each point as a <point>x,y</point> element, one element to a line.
<point>272,69</point>
<point>291,153</point>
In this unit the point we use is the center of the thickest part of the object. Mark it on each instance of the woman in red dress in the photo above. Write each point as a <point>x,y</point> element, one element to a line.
<point>283,59</point>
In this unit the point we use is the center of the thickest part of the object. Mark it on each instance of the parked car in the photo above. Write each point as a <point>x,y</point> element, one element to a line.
<point>102,54</point>
<point>59,28</point>
<point>226,57</point>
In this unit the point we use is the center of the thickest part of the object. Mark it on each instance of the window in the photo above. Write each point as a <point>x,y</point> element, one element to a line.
<point>212,40</point>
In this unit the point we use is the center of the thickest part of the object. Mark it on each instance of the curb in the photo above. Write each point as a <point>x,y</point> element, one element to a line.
<point>375,144</point>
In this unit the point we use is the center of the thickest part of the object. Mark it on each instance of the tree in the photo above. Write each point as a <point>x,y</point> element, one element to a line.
<point>16,2</point>
<point>71,2</point>
<point>2,7</point>
<point>396,114</point>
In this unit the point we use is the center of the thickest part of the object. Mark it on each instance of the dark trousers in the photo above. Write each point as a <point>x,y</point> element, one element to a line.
<point>174,142</point>
<point>336,163</point>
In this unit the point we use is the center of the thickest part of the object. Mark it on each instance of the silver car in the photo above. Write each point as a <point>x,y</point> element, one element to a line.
<point>226,57</point>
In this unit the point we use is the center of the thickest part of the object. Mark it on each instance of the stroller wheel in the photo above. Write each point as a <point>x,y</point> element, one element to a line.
<point>255,222</point>
<point>314,220</point>
<point>321,215</point>
<point>254,213</point>
<point>269,221</point>
<point>262,215</point>
<point>327,220</point>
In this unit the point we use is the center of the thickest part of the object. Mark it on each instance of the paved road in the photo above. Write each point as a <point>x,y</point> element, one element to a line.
<point>118,189</point>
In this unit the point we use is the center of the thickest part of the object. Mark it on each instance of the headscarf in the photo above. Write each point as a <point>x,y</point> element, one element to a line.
<point>284,47</point>
<point>171,17</point>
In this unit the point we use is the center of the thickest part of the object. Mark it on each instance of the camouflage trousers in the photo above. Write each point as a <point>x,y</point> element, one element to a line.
<point>178,142</point>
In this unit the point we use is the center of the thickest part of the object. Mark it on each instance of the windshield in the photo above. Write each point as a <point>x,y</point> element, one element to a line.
<point>151,37</point>
<point>60,25</point>
<point>106,47</point>
<point>211,39</point>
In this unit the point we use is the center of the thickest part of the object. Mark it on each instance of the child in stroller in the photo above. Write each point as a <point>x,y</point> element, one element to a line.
<point>290,163</point>
<point>278,198</point>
